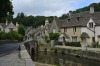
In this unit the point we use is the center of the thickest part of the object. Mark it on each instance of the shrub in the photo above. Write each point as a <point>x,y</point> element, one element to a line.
<point>76,44</point>
<point>96,45</point>
<point>47,39</point>
<point>12,35</point>
<point>21,30</point>
<point>58,43</point>
<point>53,36</point>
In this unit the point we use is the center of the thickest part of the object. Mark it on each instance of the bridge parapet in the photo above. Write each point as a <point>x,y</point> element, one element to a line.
<point>24,55</point>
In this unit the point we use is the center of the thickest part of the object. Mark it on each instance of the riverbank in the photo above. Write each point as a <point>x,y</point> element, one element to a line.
<point>89,53</point>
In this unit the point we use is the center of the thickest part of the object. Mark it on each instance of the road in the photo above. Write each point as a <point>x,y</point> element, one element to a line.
<point>7,48</point>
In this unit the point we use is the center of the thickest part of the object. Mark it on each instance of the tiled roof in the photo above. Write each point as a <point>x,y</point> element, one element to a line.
<point>3,25</point>
<point>84,17</point>
<point>60,22</point>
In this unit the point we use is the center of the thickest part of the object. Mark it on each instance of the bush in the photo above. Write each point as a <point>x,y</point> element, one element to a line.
<point>96,45</point>
<point>47,39</point>
<point>76,44</point>
<point>12,35</point>
<point>58,43</point>
<point>53,36</point>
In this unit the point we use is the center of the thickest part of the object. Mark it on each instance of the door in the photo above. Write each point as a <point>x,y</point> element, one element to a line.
<point>84,42</point>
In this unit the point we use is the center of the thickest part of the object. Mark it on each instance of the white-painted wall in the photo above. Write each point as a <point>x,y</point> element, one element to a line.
<point>97,32</point>
<point>90,31</point>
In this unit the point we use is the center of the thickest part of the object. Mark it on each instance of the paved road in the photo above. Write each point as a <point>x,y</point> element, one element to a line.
<point>7,48</point>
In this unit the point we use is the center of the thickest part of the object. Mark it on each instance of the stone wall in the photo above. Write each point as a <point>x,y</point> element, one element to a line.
<point>95,55</point>
<point>25,56</point>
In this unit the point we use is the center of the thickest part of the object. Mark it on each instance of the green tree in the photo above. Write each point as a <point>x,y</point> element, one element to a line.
<point>6,8</point>
<point>64,16</point>
<point>21,30</point>
<point>53,36</point>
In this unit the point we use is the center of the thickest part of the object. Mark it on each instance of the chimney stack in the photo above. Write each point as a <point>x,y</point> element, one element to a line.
<point>46,21</point>
<point>6,22</point>
<point>91,9</point>
<point>70,14</point>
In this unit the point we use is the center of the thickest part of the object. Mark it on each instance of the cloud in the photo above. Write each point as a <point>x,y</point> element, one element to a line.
<point>48,7</point>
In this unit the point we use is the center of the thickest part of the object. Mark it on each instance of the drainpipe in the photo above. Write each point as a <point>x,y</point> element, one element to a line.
<point>94,33</point>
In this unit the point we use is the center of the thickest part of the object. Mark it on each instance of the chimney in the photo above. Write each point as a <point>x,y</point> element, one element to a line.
<point>91,9</point>
<point>70,14</point>
<point>17,24</point>
<point>6,22</point>
<point>46,21</point>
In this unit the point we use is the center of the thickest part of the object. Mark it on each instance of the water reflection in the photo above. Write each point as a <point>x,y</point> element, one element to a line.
<point>62,60</point>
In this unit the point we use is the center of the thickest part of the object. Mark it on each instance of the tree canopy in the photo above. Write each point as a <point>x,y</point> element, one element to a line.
<point>6,8</point>
<point>36,21</point>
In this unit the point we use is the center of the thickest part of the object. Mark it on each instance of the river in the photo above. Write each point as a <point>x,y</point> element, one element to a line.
<point>62,59</point>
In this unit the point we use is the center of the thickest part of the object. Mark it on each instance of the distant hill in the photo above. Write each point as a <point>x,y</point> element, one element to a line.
<point>86,8</point>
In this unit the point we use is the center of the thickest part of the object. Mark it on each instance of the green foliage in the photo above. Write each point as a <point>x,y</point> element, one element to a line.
<point>53,36</point>
<point>34,21</point>
<point>6,8</point>
<point>64,16</point>
<point>12,35</point>
<point>76,44</point>
<point>96,45</point>
<point>58,43</point>
<point>86,8</point>
<point>21,30</point>
<point>47,39</point>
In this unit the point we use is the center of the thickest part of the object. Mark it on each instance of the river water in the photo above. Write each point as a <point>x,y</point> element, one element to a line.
<point>62,60</point>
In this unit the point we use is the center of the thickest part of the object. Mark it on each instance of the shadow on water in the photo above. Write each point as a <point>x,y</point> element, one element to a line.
<point>62,59</point>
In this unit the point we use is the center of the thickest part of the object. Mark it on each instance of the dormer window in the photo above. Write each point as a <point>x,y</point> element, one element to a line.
<point>0,29</point>
<point>77,19</point>
<point>11,29</point>
<point>68,19</point>
<point>91,25</point>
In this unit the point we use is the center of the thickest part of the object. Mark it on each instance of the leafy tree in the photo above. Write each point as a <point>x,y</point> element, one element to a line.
<point>53,36</point>
<point>64,16</point>
<point>21,30</point>
<point>6,8</point>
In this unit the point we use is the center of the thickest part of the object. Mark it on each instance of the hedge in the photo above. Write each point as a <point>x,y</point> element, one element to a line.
<point>76,44</point>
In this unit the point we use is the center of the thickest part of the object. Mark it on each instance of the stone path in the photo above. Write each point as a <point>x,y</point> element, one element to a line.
<point>79,48</point>
<point>12,59</point>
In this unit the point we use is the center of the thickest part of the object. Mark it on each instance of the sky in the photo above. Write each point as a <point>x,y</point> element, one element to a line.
<point>48,7</point>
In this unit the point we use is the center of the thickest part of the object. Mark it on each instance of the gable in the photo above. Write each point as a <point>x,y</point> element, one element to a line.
<point>54,26</point>
<point>90,21</point>
<point>1,27</point>
<point>11,25</point>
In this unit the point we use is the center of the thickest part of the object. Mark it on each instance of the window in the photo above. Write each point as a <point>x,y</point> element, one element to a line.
<point>93,39</point>
<point>91,25</point>
<point>74,39</point>
<point>77,19</point>
<point>74,29</point>
<point>11,29</point>
<point>68,20</point>
<point>65,29</point>
<point>0,29</point>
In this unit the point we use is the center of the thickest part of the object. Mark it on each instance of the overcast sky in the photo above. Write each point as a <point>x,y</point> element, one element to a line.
<point>48,7</point>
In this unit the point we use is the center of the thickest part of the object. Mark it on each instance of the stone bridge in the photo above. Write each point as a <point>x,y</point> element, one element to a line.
<point>31,46</point>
